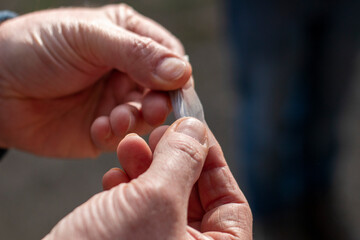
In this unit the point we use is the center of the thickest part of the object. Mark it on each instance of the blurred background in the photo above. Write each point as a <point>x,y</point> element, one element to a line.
<point>244,62</point>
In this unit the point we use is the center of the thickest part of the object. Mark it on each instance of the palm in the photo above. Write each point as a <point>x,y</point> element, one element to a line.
<point>62,124</point>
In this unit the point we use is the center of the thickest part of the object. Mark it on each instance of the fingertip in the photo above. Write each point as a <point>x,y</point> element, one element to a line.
<point>134,155</point>
<point>114,177</point>
<point>121,120</point>
<point>156,107</point>
<point>101,128</point>
<point>100,131</point>
<point>102,134</point>
<point>156,135</point>
<point>128,138</point>
<point>128,118</point>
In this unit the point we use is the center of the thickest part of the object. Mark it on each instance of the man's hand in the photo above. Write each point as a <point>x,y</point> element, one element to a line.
<point>175,189</point>
<point>75,81</point>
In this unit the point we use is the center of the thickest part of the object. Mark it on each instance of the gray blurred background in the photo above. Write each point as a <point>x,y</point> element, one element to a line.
<point>35,192</point>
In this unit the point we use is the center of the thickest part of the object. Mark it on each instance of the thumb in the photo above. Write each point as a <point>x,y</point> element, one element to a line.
<point>179,156</point>
<point>147,62</point>
<point>177,163</point>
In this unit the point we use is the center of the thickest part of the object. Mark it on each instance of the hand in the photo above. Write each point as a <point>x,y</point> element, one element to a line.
<point>168,191</point>
<point>75,81</point>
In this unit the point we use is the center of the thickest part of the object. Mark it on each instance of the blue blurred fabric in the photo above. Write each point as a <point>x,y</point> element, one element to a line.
<point>293,62</point>
<point>4,15</point>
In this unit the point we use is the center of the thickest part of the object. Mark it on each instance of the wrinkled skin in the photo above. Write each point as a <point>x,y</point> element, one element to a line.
<point>75,81</point>
<point>178,187</point>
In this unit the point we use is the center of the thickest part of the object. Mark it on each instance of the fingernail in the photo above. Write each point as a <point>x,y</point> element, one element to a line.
<point>193,128</point>
<point>170,69</point>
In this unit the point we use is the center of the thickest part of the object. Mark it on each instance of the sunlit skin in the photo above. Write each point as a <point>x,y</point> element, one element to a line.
<point>75,81</point>
<point>174,188</point>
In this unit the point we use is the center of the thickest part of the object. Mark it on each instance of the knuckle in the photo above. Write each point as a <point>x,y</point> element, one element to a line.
<point>142,47</point>
<point>128,15</point>
<point>131,22</point>
<point>119,13</point>
<point>126,8</point>
<point>189,149</point>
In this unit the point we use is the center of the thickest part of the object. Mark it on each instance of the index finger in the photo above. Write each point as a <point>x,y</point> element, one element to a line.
<point>126,17</point>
